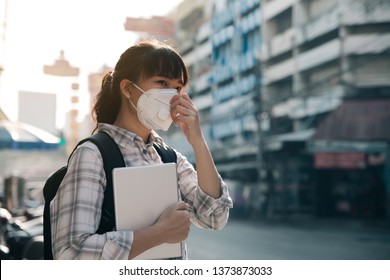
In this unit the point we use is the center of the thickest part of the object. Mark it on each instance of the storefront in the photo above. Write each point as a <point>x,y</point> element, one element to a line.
<point>350,184</point>
<point>289,176</point>
<point>351,159</point>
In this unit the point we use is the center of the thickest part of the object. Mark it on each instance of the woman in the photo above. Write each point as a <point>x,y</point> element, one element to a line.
<point>126,112</point>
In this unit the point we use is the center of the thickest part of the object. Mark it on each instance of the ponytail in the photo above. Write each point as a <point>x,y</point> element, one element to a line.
<point>107,102</point>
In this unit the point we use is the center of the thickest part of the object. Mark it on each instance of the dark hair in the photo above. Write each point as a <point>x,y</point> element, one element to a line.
<point>141,61</point>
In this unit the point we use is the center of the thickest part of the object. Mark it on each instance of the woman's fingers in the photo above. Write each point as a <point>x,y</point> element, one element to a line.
<point>182,106</point>
<point>182,206</point>
<point>185,114</point>
<point>176,222</point>
<point>182,96</point>
<point>182,100</point>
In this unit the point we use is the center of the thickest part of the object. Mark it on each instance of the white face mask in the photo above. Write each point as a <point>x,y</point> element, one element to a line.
<point>153,108</point>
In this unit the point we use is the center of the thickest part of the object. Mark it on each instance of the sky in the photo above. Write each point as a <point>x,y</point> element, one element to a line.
<point>90,32</point>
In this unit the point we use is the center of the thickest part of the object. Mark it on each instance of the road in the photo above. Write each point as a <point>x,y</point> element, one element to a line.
<point>245,240</point>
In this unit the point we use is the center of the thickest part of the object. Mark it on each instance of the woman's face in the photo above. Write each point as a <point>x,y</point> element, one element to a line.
<point>137,89</point>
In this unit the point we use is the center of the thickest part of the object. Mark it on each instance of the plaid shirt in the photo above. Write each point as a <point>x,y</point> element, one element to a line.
<point>76,209</point>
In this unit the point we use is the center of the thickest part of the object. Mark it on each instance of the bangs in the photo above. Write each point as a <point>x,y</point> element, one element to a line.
<point>166,63</point>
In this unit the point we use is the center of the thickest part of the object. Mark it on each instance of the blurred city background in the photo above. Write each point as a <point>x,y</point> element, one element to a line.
<point>294,99</point>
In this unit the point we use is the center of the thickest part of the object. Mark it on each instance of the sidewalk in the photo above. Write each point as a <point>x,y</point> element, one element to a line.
<point>368,226</point>
<point>309,239</point>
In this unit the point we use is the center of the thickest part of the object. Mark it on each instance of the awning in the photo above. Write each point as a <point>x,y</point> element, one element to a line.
<point>16,135</point>
<point>357,120</point>
<point>275,142</point>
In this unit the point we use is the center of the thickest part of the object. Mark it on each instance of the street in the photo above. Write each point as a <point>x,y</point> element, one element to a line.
<point>246,240</point>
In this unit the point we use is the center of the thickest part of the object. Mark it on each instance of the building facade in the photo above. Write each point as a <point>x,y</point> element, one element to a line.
<point>236,94</point>
<point>322,57</point>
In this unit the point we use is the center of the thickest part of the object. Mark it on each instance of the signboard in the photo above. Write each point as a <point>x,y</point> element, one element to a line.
<point>347,160</point>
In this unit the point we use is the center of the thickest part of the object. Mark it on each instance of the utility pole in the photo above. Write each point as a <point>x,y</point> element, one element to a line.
<point>262,119</point>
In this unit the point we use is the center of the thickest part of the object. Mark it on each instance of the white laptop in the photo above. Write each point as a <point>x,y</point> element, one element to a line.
<point>141,194</point>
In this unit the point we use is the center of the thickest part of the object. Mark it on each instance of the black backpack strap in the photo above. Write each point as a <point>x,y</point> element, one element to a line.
<point>112,158</point>
<point>166,153</point>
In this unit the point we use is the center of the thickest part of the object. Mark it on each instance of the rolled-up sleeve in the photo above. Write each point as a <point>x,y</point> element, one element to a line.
<point>205,211</point>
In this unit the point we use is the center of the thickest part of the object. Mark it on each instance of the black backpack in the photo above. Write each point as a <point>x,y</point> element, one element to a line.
<point>112,158</point>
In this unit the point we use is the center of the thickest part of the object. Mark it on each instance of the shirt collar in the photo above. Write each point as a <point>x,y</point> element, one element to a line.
<point>122,136</point>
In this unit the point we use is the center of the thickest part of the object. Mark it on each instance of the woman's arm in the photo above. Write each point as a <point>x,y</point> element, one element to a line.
<point>202,189</point>
<point>185,114</point>
<point>208,178</point>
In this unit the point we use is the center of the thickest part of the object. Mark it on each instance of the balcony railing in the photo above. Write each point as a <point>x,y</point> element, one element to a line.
<point>234,126</point>
<point>223,18</point>
<point>201,81</point>
<point>367,44</point>
<point>363,12</point>
<point>281,43</point>
<point>222,73</point>
<point>246,5</point>
<point>223,35</point>
<point>318,26</point>
<point>204,32</point>
<point>275,7</point>
<point>298,107</point>
<point>235,89</point>
<point>251,21</point>
<point>203,102</point>
<point>322,54</point>
<point>279,71</point>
